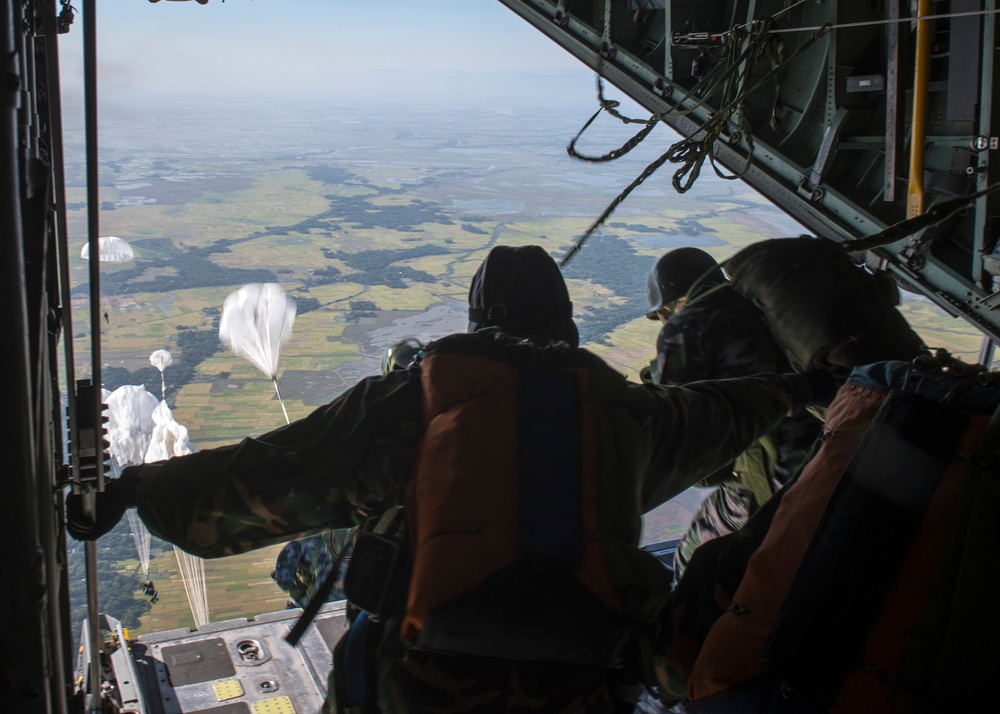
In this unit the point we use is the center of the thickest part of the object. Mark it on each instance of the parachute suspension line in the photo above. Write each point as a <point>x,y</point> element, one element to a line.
<point>140,534</point>
<point>578,243</point>
<point>192,571</point>
<point>274,380</point>
<point>161,359</point>
<point>745,50</point>
<point>273,342</point>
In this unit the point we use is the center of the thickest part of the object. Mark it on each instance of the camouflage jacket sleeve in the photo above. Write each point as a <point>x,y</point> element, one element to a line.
<point>702,426</point>
<point>346,459</point>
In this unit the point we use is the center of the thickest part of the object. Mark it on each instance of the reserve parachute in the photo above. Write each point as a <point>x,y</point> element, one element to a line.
<point>256,321</point>
<point>821,307</point>
<point>907,465</point>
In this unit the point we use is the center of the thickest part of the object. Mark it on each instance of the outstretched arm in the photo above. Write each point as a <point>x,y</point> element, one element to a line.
<point>702,426</point>
<point>352,455</point>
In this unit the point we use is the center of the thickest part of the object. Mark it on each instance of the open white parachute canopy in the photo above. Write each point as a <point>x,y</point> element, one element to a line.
<point>168,438</point>
<point>142,429</point>
<point>130,425</point>
<point>256,321</point>
<point>111,249</point>
<point>161,359</point>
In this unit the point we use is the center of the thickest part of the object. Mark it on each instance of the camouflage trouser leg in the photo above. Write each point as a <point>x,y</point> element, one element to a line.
<point>723,511</point>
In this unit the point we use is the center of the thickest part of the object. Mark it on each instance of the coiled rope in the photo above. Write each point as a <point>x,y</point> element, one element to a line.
<point>745,50</point>
<point>747,45</point>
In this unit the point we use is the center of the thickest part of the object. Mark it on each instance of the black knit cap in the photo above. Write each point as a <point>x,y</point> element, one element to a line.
<point>522,292</point>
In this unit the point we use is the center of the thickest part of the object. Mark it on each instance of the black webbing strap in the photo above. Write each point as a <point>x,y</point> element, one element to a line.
<point>936,214</point>
<point>310,610</point>
<point>549,465</point>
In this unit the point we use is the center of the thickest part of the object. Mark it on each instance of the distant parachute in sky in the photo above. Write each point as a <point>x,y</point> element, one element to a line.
<point>161,359</point>
<point>142,429</point>
<point>111,249</point>
<point>130,428</point>
<point>256,321</point>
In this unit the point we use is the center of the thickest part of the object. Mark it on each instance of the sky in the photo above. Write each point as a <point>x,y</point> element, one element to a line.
<point>438,51</point>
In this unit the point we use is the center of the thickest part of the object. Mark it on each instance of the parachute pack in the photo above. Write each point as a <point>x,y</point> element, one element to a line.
<point>821,307</point>
<point>516,506</point>
<point>508,514</point>
<point>874,585</point>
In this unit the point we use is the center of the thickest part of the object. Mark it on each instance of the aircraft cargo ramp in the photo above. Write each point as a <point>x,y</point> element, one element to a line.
<point>234,667</point>
<point>241,666</point>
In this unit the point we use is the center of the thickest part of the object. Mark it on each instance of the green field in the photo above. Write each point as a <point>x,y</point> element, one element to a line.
<point>237,587</point>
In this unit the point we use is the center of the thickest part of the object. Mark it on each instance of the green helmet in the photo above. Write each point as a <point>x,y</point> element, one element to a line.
<point>400,355</point>
<point>676,272</point>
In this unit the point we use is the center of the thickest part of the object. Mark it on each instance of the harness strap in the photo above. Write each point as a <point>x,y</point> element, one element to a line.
<point>355,664</point>
<point>310,610</point>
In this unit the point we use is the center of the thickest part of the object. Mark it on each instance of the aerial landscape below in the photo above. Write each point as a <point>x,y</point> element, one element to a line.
<point>373,222</point>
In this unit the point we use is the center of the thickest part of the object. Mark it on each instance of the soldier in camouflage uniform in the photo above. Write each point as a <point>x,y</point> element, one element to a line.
<point>303,565</point>
<point>352,459</point>
<point>711,332</point>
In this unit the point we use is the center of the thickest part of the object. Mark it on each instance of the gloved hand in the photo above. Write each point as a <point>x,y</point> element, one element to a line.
<point>118,496</point>
<point>824,386</point>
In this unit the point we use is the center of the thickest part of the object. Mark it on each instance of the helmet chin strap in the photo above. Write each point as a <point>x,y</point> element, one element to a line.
<point>671,308</point>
